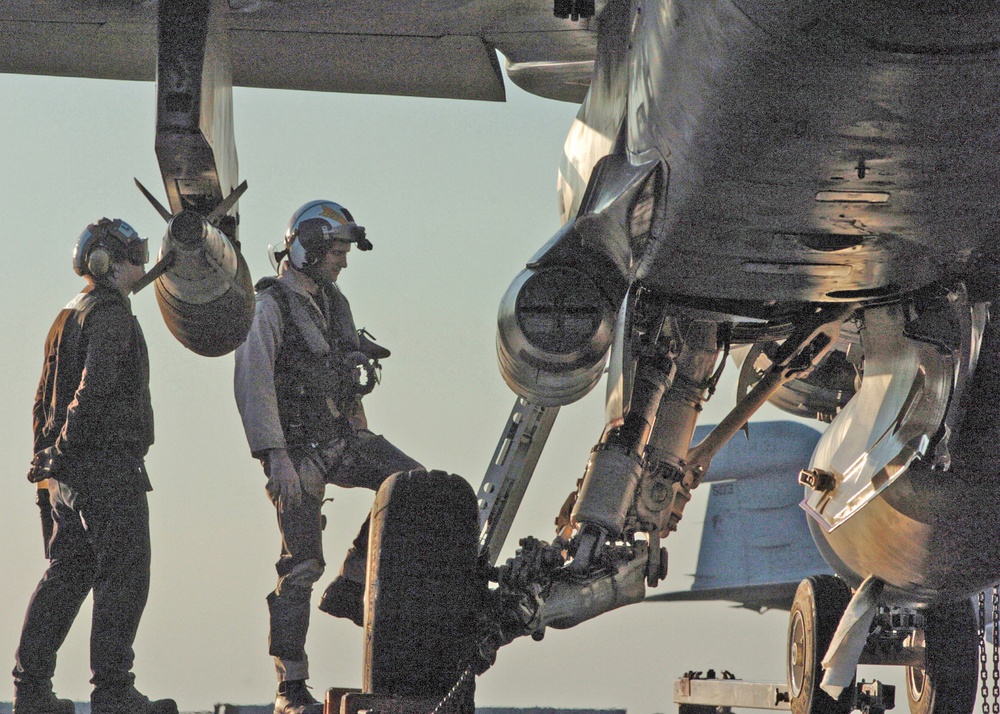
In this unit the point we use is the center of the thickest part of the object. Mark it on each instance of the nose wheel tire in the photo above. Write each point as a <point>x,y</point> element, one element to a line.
<point>947,683</point>
<point>424,588</point>
<point>819,603</point>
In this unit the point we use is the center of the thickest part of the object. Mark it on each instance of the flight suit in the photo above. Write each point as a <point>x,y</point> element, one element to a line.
<point>93,423</point>
<point>295,390</point>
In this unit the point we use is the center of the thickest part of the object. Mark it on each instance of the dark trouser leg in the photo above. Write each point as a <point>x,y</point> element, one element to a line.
<point>301,565</point>
<point>368,461</point>
<point>119,533</point>
<point>57,599</point>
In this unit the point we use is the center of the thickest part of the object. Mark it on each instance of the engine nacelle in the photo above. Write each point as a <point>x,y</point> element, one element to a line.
<point>206,295</point>
<point>554,332</point>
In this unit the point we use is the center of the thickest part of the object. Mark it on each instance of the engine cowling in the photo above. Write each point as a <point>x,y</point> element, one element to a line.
<point>554,332</point>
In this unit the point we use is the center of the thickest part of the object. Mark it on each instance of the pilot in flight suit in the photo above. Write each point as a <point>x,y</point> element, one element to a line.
<point>298,390</point>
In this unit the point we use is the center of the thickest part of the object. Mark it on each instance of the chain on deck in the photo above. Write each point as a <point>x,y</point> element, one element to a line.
<point>990,699</point>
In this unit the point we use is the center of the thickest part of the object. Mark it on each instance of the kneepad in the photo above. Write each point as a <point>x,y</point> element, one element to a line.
<point>303,575</point>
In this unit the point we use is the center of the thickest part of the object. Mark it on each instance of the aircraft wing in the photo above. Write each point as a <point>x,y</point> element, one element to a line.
<point>755,543</point>
<point>198,50</point>
<point>431,49</point>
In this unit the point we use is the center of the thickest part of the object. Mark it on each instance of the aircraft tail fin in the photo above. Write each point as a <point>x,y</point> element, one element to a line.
<point>755,543</point>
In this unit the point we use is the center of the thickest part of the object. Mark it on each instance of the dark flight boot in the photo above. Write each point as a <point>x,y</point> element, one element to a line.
<point>345,598</point>
<point>40,701</point>
<point>294,698</point>
<point>127,700</point>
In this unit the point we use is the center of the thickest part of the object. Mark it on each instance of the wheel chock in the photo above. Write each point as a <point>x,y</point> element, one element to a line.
<point>355,702</point>
<point>331,704</point>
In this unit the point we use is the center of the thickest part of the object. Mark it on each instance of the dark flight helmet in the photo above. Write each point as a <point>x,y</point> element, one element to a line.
<point>105,242</point>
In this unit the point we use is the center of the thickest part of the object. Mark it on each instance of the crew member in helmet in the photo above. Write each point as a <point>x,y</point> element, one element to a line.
<point>93,424</point>
<point>298,389</point>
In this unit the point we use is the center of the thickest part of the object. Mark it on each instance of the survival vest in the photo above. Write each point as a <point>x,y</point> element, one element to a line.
<point>314,385</point>
<point>113,423</point>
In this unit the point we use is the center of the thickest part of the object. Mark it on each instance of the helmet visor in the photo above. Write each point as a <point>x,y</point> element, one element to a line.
<point>317,234</point>
<point>137,251</point>
<point>350,233</point>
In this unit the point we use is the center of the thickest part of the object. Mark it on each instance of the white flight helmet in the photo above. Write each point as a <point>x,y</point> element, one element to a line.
<point>105,242</point>
<point>313,228</point>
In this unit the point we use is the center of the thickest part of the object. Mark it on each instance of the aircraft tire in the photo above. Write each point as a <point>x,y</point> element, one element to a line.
<point>424,589</point>
<point>819,603</point>
<point>947,683</point>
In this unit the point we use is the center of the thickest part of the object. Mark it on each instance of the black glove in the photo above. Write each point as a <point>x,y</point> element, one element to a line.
<point>44,465</point>
<point>355,359</point>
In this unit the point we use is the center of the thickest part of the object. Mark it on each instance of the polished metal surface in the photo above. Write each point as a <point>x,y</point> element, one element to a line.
<point>888,424</point>
<point>205,261</point>
<point>570,602</point>
<point>205,295</point>
<point>554,335</point>
<point>930,538</point>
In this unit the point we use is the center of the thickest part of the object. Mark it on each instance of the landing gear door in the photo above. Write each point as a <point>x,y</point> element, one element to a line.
<point>889,423</point>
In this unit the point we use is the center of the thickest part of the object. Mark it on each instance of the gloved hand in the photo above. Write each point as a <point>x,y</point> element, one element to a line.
<point>282,479</point>
<point>360,363</point>
<point>43,465</point>
<point>355,359</point>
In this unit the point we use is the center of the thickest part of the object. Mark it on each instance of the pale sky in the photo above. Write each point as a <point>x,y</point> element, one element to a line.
<point>455,196</point>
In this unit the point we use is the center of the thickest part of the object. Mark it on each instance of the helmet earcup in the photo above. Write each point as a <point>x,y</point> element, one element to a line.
<point>102,243</point>
<point>297,254</point>
<point>99,262</point>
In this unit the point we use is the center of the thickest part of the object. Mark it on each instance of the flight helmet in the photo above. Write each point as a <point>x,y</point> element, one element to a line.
<point>103,243</point>
<point>314,227</point>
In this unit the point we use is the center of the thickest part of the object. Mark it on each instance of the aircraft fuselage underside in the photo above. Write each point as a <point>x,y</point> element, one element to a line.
<point>807,186</point>
<point>808,152</point>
